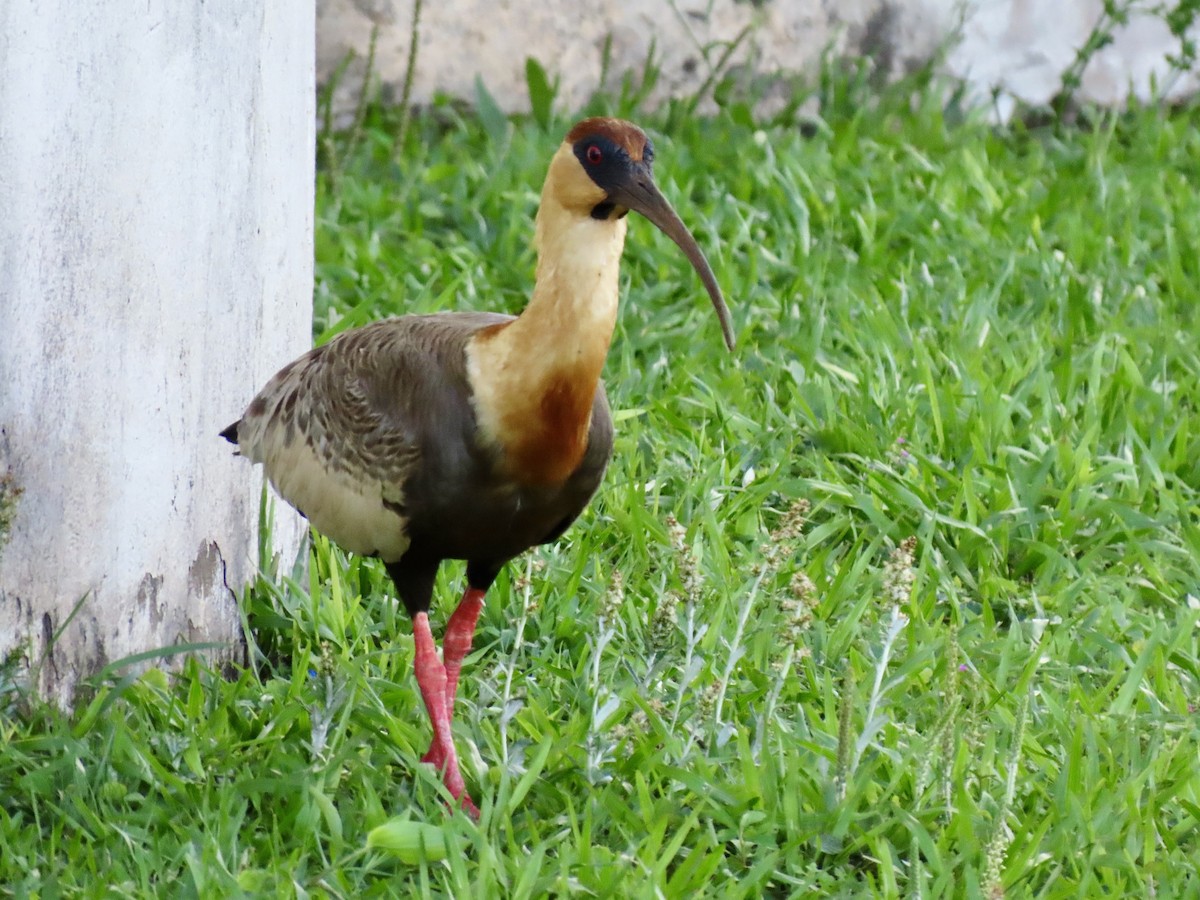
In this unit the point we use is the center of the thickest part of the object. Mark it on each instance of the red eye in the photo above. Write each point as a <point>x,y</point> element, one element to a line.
<point>594,155</point>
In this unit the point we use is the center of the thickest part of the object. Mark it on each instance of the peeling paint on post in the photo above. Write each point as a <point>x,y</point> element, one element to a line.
<point>156,177</point>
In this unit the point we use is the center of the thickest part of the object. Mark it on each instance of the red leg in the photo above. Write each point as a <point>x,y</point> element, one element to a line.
<point>456,644</point>
<point>431,679</point>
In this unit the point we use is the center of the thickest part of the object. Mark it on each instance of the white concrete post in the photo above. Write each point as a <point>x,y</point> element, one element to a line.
<point>156,214</point>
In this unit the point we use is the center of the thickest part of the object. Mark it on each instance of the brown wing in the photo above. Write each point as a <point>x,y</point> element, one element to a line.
<point>342,430</point>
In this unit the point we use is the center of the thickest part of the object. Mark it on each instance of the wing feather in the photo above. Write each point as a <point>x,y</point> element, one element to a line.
<point>341,430</point>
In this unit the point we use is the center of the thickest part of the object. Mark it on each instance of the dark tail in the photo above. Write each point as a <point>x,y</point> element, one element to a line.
<point>230,433</point>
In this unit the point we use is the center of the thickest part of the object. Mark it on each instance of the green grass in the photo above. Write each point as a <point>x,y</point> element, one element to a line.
<point>966,664</point>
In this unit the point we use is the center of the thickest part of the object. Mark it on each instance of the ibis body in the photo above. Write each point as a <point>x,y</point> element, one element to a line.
<point>470,435</point>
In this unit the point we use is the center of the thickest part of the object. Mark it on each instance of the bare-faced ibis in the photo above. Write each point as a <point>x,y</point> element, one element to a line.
<point>471,435</point>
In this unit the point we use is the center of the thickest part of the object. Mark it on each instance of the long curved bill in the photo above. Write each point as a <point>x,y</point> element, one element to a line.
<point>641,194</point>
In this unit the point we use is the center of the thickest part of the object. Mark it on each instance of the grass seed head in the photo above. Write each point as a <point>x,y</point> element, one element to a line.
<point>613,597</point>
<point>638,722</point>
<point>782,541</point>
<point>706,705</point>
<point>791,526</point>
<point>665,617</point>
<point>797,609</point>
<point>899,576</point>
<point>685,560</point>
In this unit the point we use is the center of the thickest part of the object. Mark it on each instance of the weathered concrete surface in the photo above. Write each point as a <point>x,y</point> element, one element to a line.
<point>1018,48</point>
<point>490,39</point>
<point>156,178</point>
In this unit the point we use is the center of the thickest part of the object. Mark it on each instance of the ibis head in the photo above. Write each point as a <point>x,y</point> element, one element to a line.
<point>604,170</point>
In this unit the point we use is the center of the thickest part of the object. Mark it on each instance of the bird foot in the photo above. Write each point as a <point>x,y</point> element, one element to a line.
<point>435,756</point>
<point>469,807</point>
<point>438,757</point>
<point>438,684</point>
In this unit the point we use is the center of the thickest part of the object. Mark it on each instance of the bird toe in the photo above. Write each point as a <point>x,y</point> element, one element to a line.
<point>435,756</point>
<point>469,807</point>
